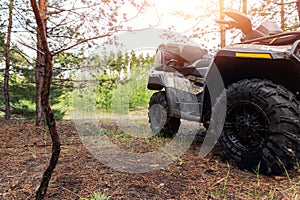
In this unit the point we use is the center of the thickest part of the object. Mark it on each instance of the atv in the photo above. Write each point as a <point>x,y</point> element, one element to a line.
<point>261,77</point>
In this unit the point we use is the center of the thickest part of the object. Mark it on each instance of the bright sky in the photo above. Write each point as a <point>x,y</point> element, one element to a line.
<point>164,13</point>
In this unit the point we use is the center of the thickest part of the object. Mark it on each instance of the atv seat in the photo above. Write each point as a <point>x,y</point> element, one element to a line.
<point>201,63</point>
<point>197,68</point>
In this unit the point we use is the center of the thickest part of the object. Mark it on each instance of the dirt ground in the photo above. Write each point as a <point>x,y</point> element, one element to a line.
<point>25,151</point>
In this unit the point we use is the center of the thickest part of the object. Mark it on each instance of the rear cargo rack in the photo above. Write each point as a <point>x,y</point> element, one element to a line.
<point>287,38</point>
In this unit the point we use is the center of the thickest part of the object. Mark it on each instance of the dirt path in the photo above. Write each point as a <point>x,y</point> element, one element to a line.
<point>25,150</point>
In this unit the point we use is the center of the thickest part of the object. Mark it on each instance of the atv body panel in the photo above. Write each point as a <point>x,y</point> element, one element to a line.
<point>279,64</point>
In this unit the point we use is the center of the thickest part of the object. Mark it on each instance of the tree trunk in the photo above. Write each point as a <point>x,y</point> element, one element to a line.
<point>245,7</point>
<point>47,80</point>
<point>222,26</point>
<point>40,68</point>
<point>7,62</point>
<point>39,81</point>
<point>298,9</point>
<point>282,15</point>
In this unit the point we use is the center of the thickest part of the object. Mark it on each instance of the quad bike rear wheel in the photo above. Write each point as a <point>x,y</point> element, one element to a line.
<point>160,122</point>
<point>261,130</point>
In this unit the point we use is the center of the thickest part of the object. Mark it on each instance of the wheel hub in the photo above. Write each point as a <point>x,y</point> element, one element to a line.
<point>247,124</point>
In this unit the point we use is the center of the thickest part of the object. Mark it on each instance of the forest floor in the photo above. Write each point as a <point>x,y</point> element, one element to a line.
<point>25,151</point>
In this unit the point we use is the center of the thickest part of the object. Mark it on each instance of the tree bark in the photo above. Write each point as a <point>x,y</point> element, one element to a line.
<point>39,78</point>
<point>40,68</point>
<point>222,26</point>
<point>245,7</point>
<point>298,9</point>
<point>47,80</point>
<point>7,62</point>
<point>282,15</point>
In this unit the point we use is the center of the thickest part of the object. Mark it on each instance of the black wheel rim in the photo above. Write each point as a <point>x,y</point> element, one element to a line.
<point>246,126</point>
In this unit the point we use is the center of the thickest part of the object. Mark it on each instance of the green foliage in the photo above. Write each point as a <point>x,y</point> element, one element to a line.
<point>22,85</point>
<point>62,86</point>
<point>2,46</point>
<point>140,97</point>
<point>2,56</point>
<point>107,84</point>
<point>97,196</point>
<point>124,77</point>
<point>127,70</point>
<point>132,93</point>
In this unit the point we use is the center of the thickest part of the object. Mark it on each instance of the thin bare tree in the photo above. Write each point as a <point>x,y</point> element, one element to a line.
<point>7,61</point>
<point>298,8</point>
<point>45,58</point>
<point>47,79</point>
<point>40,66</point>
